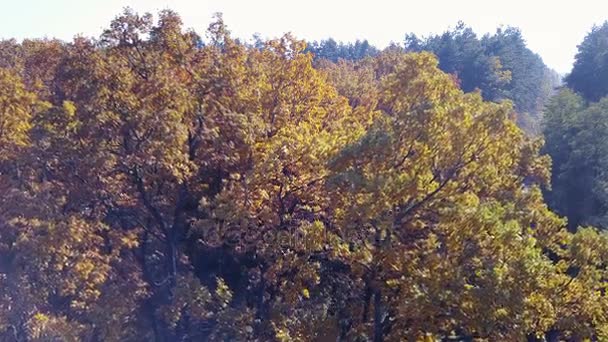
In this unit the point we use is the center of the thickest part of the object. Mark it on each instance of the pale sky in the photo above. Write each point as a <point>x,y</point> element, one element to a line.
<point>553,29</point>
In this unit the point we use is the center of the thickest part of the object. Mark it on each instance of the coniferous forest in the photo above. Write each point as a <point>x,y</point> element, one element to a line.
<point>159,184</point>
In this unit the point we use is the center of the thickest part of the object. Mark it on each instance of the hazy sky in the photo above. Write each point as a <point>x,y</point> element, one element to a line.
<point>552,28</point>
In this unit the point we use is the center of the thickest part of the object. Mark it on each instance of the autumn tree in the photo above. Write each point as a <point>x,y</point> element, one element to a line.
<point>161,185</point>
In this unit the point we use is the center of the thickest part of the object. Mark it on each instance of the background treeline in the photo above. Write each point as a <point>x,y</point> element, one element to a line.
<point>161,185</point>
<point>500,66</point>
<point>576,134</point>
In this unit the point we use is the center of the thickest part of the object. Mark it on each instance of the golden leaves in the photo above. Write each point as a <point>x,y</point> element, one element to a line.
<point>17,105</point>
<point>238,192</point>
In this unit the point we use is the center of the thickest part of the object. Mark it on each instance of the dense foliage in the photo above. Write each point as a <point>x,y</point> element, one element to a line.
<point>155,188</point>
<point>331,50</point>
<point>577,140</point>
<point>589,76</point>
<point>462,53</point>
<point>577,136</point>
<point>500,65</point>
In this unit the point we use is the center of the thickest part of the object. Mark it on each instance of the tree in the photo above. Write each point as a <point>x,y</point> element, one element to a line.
<point>576,141</point>
<point>461,53</point>
<point>500,66</point>
<point>158,188</point>
<point>590,71</point>
<point>331,50</point>
<point>17,105</point>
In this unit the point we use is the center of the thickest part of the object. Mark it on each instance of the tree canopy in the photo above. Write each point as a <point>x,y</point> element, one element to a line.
<point>500,66</point>
<point>576,136</point>
<point>158,185</point>
<point>331,50</point>
<point>590,72</point>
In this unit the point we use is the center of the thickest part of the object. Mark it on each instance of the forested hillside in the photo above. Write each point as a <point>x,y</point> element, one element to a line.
<point>576,131</point>
<point>500,66</point>
<point>163,185</point>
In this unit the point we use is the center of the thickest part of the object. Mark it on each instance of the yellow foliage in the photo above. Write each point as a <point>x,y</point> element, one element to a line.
<point>173,190</point>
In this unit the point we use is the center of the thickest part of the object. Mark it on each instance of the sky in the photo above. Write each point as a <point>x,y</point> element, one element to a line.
<point>553,29</point>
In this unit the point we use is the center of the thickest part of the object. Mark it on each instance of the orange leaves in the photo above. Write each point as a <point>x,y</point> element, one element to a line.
<point>179,191</point>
